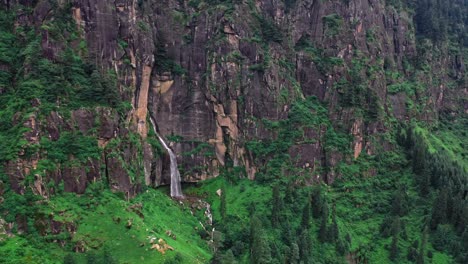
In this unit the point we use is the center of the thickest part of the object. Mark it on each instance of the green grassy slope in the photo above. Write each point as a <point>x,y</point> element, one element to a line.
<point>101,221</point>
<point>363,208</point>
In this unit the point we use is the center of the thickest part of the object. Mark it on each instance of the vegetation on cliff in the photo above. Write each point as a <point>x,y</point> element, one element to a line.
<point>353,136</point>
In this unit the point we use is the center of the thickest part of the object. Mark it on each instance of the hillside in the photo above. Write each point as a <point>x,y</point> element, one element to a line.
<point>314,131</point>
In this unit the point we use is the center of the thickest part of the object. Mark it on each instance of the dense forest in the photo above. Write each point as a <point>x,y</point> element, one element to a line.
<point>305,131</point>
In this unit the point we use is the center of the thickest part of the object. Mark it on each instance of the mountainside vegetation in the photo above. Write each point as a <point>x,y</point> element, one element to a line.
<point>304,131</point>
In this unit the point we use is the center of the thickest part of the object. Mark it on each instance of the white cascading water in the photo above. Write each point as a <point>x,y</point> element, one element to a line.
<point>176,189</point>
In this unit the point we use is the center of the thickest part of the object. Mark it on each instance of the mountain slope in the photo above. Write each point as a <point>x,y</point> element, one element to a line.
<point>363,102</point>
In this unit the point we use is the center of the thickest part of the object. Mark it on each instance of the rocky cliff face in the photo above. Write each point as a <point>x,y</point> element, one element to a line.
<point>211,72</point>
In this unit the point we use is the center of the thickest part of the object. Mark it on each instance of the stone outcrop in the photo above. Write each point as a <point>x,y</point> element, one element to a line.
<point>209,73</point>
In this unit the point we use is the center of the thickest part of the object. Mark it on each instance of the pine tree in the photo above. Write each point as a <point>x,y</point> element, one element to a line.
<point>287,232</point>
<point>424,181</point>
<point>394,251</point>
<point>462,223</point>
<point>223,203</point>
<point>399,204</point>
<point>252,207</point>
<point>413,251</point>
<point>318,203</point>
<point>464,240</point>
<point>305,223</point>
<point>396,226</point>
<point>289,195</point>
<point>218,240</point>
<point>395,230</point>
<point>422,249</point>
<point>69,259</point>
<point>228,258</point>
<point>439,210</point>
<point>305,246</point>
<point>92,258</point>
<point>107,257</point>
<point>295,256</point>
<point>342,247</point>
<point>260,252</point>
<point>276,206</point>
<point>418,155</point>
<point>333,232</point>
<point>323,224</point>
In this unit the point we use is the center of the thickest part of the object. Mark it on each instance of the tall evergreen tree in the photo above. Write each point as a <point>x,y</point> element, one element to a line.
<point>69,259</point>
<point>424,181</point>
<point>317,202</point>
<point>276,206</point>
<point>229,258</point>
<point>323,224</point>
<point>394,251</point>
<point>223,203</point>
<point>399,204</point>
<point>422,249</point>
<point>108,258</point>
<point>260,252</point>
<point>462,222</point>
<point>439,210</point>
<point>305,223</point>
<point>295,256</point>
<point>413,251</point>
<point>333,232</point>
<point>396,226</point>
<point>305,246</point>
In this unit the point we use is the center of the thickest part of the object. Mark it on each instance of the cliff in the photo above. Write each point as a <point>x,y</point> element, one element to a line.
<point>352,112</point>
<point>219,78</point>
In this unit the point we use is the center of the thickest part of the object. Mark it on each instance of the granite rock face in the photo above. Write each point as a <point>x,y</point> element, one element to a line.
<point>209,73</point>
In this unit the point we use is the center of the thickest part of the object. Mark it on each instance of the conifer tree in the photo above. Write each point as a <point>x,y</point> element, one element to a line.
<point>399,206</point>
<point>413,251</point>
<point>305,223</point>
<point>333,232</point>
<point>107,257</point>
<point>69,259</point>
<point>396,226</point>
<point>439,210</point>
<point>394,251</point>
<point>276,207</point>
<point>223,203</point>
<point>424,181</point>
<point>229,258</point>
<point>295,257</point>
<point>422,249</point>
<point>318,203</point>
<point>305,249</point>
<point>260,252</point>
<point>323,224</point>
<point>462,222</point>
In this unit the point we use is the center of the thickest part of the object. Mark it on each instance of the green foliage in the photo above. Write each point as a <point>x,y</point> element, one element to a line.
<point>164,62</point>
<point>332,24</point>
<point>436,167</point>
<point>303,115</point>
<point>289,4</point>
<point>223,203</point>
<point>437,20</point>
<point>261,252</point>
<point>324,63</point>
<point>100,219</point>
<point>270,32</point>
<point>70,145</point>
<point>439,211</point>
<point>405,87</point>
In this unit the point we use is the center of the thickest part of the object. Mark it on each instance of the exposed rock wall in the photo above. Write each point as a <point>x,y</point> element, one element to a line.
<point>208,73</point>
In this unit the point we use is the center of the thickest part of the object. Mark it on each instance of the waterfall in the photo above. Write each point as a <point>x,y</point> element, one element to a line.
<point>176,189</point>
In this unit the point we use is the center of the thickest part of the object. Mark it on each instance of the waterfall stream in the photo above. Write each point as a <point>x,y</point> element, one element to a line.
<point>176,189</point>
